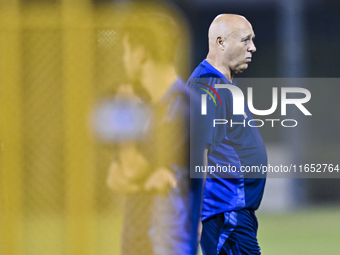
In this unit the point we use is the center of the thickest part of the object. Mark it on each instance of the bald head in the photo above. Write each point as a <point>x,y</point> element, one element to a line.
<point>225,24</point>
<point>230,43</point>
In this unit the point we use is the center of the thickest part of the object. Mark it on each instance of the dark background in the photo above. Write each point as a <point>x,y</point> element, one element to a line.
<point>293,39</point>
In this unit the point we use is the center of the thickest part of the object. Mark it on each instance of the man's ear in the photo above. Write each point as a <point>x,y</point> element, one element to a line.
<point>220,42</point>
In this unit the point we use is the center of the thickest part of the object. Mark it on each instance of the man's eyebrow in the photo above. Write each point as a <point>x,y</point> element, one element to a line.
<point>248,37</point>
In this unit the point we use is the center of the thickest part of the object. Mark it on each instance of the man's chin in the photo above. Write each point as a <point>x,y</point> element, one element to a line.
<point>242,68</point>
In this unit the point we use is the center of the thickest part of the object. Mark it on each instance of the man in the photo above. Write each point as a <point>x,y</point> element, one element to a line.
<point>230,199</point>
<point>162,210</point>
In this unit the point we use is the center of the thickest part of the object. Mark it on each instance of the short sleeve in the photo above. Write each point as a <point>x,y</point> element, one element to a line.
<point>201,125</point>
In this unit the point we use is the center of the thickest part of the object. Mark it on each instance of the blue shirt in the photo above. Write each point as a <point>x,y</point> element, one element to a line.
<point>233,145</point>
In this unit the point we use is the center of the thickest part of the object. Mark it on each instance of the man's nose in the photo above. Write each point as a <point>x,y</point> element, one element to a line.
<point>252,47</point>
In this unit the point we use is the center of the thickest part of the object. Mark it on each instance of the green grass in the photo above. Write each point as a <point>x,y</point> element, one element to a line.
<point>309,231</point>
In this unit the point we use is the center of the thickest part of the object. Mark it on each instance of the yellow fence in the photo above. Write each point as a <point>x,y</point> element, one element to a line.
<point>56,59</point>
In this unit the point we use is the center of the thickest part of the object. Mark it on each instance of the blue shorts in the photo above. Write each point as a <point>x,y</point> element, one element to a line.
<point>230,233</point>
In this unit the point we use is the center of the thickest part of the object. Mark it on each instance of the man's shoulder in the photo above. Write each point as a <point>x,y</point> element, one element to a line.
<point>178,90</point>
<point>177,98</point>
<point>207,84</point>
<point>204,76</point>
<point>203,70</point>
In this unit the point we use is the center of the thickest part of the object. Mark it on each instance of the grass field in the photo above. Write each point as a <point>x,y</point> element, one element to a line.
<point>309,231</point>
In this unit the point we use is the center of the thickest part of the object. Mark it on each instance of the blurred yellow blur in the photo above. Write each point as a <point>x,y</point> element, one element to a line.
<point>57,58</point>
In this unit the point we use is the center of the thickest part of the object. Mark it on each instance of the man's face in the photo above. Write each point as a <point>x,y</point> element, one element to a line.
<point>131,60</point>
<point>239,48</point>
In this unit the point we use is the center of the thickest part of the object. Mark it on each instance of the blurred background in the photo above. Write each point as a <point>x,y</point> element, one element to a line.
<point>59,58</point>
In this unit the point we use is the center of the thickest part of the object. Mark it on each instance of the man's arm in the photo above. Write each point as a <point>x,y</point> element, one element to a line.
<point>128,176</point>
<point>128,173</point>
<point>117,182</point>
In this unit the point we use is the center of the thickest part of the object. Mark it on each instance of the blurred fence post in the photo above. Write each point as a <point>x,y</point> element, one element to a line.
<point>10,129</point>
<point>292,41</point>
<point>78,66</point>
<point>291,34</point>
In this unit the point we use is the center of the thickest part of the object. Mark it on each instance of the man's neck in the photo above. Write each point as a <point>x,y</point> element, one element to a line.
<point>217,64</point>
